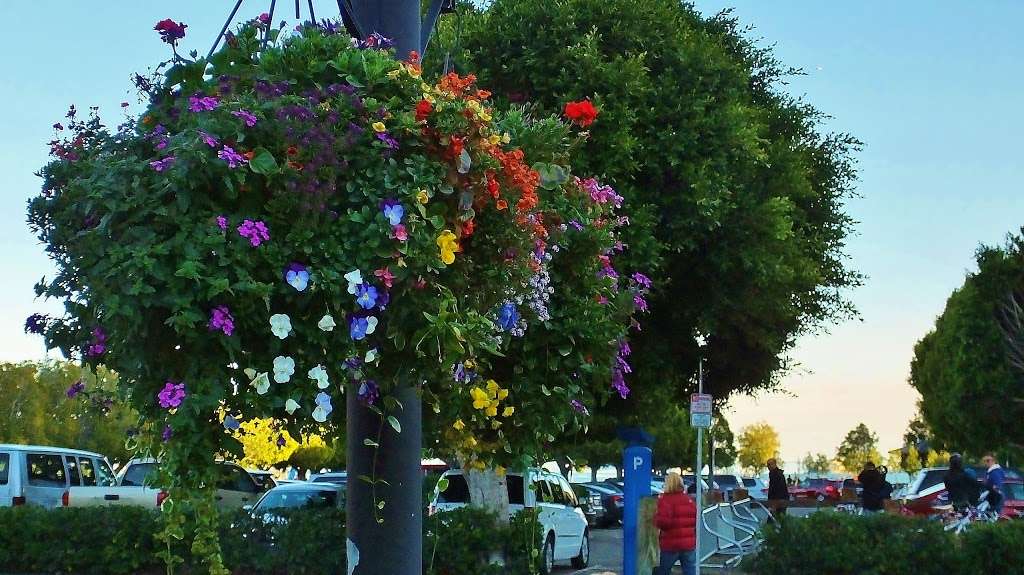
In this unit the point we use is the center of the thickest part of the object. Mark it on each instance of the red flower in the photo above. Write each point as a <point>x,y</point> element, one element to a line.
<point>170,31</point>
<point>292,151</point>
<point>581,113</point>
<point>423,110</point>
<point>468,227</point>
<point>501,204</point>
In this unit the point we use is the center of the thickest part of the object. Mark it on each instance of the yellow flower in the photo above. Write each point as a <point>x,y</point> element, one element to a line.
<point>471,441</point>
<point>508,411</point>
<point>379,127</point>
<point>485,116</point>
<point>422,197</point>
<point>493,387</point>
<point>413,71</point>
<point>494,139</point>
<point>477,464</point>
<point>469,364</point>
<point>473,105</point>
<point>459,425</point>
<point>492,410</point>
<point>448,245</point>
<point>505,138</point>
<point>502,393</point>
<point>495,424</point>
<point>480,398</point>
<point>425,88</point>
<point>325,106</point>
<point>394,73</point>
<point>499,470</point>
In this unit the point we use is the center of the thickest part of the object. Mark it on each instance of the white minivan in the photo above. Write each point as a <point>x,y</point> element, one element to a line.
<point>42,475</point>
<point>563,523</point>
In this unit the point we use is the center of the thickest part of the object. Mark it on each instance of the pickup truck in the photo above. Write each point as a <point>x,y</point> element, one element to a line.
<point>235,489</point>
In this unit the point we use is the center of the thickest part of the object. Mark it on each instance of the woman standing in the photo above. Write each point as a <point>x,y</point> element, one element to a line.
<point>676,519</point>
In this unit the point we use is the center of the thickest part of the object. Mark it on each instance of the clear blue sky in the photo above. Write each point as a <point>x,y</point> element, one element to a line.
<point>933,89</point>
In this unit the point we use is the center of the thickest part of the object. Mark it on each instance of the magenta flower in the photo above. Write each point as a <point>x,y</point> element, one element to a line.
<point>208,139</point>
<point>197,103</point>
<point>221,320</point>
<point>642,280</point>
<point>99,343</point>
<point>640,302</point>
<point>400,233</point>
<point>75,389</point>
<point>170,31</point>
<point>248,117</point>
<point>171,395</point>
<point>229,155</point>
<point>222,222</point>
<point>256,232</point>
<point>579,407</point>
<point>161,165</point>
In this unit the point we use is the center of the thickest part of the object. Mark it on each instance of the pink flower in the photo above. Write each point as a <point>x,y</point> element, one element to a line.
<point>171,395</point>
<point>399,233</point>
<point>256,232</point>
<point>385,276</point>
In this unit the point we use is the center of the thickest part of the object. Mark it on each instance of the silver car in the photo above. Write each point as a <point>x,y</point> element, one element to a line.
<point>42,475</point>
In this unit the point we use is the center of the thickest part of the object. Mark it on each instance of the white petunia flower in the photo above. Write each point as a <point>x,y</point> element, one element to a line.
<point>371,356</point>
<point>354,278</point>
<point>284,367</point>
<point>290,406</point>
<point>371,325</point>
<point>280,325</point>
<point>262,383</point>
<point>319,374</point>
<point>326,323</point>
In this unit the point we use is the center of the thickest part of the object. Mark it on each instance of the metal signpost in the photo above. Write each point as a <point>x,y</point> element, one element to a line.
<point>700,417</point>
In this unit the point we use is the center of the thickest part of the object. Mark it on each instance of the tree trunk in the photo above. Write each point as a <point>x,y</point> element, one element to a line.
<point>488,490</point>
<point>618,471</point>
<point>564,466</point>
<point>593,474</point>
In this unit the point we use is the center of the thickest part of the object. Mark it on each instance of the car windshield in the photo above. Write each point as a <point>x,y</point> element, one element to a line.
<point>814,482</point>
<point>606,489</point>
<point>1014,491</point>
<point>726,481</point>
<point>291,499</point>
<point>750,482</point>
<point>331,479</point>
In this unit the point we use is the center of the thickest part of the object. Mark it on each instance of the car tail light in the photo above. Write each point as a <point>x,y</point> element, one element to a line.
<point>20,500</point>
<point>160,498</point>
<point>65,499</point>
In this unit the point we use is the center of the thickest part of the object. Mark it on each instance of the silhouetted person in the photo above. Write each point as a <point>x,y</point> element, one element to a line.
<point>778,493</point>
<point>963,489</point>
<point>873,491</point>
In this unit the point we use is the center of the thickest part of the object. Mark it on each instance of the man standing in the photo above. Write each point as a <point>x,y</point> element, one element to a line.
<point>778,494</point>
<point>994,478</point>
<point>873,493</point>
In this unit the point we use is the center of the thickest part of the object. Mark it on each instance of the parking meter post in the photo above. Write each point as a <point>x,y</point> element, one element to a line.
<point>636,461</point>
<point>700,464</point>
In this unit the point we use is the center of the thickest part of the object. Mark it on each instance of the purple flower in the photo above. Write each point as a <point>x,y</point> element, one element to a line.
<point>508,316</point>
<point>389,141</point>
<point>230,423</point>
<point>168,432</point>
<point>639,302</point>
<point>579,407</point>
<point>170,31</point>
<point>248,117</point>
<point>369,392</point>
<point>366,296</point>
<point>161,165</point>
<point>36,323</point>
<point>75,389</point>
<point>377,41</point>
<point>220,319</point>
<point>197,103</point>
<point>280,441</point>
<point>208,139</point>
<point>171,395</point>
<point>642,280</point>
<point>229,155</point>
<point>577,225</point>
<point>619,384</point>
<point>459,373</point>
<point>393,211</point>
<point>600,194</point>
<point>296,276</point>
<point>99,343</point>
<point>256,232</point>
<point>222,222</point>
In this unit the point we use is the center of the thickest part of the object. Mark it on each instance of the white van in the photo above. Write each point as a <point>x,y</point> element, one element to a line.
<point>563,524</point>
<point>42,475</point>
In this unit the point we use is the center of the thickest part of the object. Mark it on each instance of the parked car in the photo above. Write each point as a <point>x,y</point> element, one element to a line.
<point>41,475</point>
<point>1013,505</point>
<point>980,471</point>
<point>565,531</point>
<point>854,486</point>
<point>134,486</point>
<point>590,503</point>
<point>925,491</point>
<point>756,488</point>
<point>818,488</point>
<point>295,496</point>
<point>337,477</point>
<point>611,503</point>
<point>689,485</point>
<point>264,479</point>
<point>728,483</point>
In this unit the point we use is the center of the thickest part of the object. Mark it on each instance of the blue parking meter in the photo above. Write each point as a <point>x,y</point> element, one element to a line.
<point>636,461</point>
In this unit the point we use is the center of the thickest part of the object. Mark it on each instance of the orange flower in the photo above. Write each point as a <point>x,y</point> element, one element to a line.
<point>501,204</point>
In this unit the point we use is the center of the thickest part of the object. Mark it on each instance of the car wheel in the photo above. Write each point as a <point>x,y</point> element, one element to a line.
<point>821,498</point>
<point>583,559</point>
<point>547,564</point>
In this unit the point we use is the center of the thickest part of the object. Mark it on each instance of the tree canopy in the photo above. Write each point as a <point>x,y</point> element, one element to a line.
<point>757,444</point>
<point>971,397</point>
<point>818,464</point>
<point>858,447</point>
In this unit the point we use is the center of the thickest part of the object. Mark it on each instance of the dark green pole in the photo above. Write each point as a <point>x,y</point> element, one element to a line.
<point>388,540</point>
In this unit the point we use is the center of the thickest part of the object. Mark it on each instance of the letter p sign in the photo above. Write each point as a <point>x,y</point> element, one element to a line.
<point>637,462</point>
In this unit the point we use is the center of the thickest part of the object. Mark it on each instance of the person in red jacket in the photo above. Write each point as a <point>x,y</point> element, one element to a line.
<point>676,520</point>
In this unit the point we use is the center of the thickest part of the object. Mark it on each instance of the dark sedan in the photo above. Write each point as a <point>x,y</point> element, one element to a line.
<point>611,502</point>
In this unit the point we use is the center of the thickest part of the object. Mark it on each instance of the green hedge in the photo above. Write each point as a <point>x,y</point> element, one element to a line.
<point>119,541</point>
<point>840,544</point>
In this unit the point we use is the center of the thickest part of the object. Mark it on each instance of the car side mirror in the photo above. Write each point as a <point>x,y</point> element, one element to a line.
<point>247,508</point>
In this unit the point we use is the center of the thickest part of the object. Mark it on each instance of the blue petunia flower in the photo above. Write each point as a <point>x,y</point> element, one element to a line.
<point>230,423</point>
<point>393,211</point>
<point>508,316</point>
<point>366,296</point>
<point>297,276</point>
<point>360,327</point>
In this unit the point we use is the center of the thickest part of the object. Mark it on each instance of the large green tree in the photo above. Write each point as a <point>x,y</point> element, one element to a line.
<point>759,442</point>
<point>858,447</point>
<point>971,396</point>
<point>35,408</point>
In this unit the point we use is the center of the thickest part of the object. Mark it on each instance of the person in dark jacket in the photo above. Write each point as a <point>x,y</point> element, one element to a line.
<point>676,520</point>
<point>778,493</point>
<point>873,488</point>
<point>963,489</point>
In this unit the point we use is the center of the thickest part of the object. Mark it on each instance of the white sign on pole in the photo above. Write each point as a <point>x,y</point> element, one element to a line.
<point>700,410</point>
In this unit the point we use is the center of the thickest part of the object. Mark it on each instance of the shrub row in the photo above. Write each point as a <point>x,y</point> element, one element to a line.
<point>119,541</point>
<point>840,544</point>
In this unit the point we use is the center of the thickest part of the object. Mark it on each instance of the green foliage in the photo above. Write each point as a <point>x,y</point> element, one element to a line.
<point>858,447</point>
<point>460,542</point>
<point>970,396</point>
<point>306,542</point>
<point>842,544</point>
<point>758,443</point>
<point>818,464</point>
<point>994,548</point>
<point>35,409</point>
